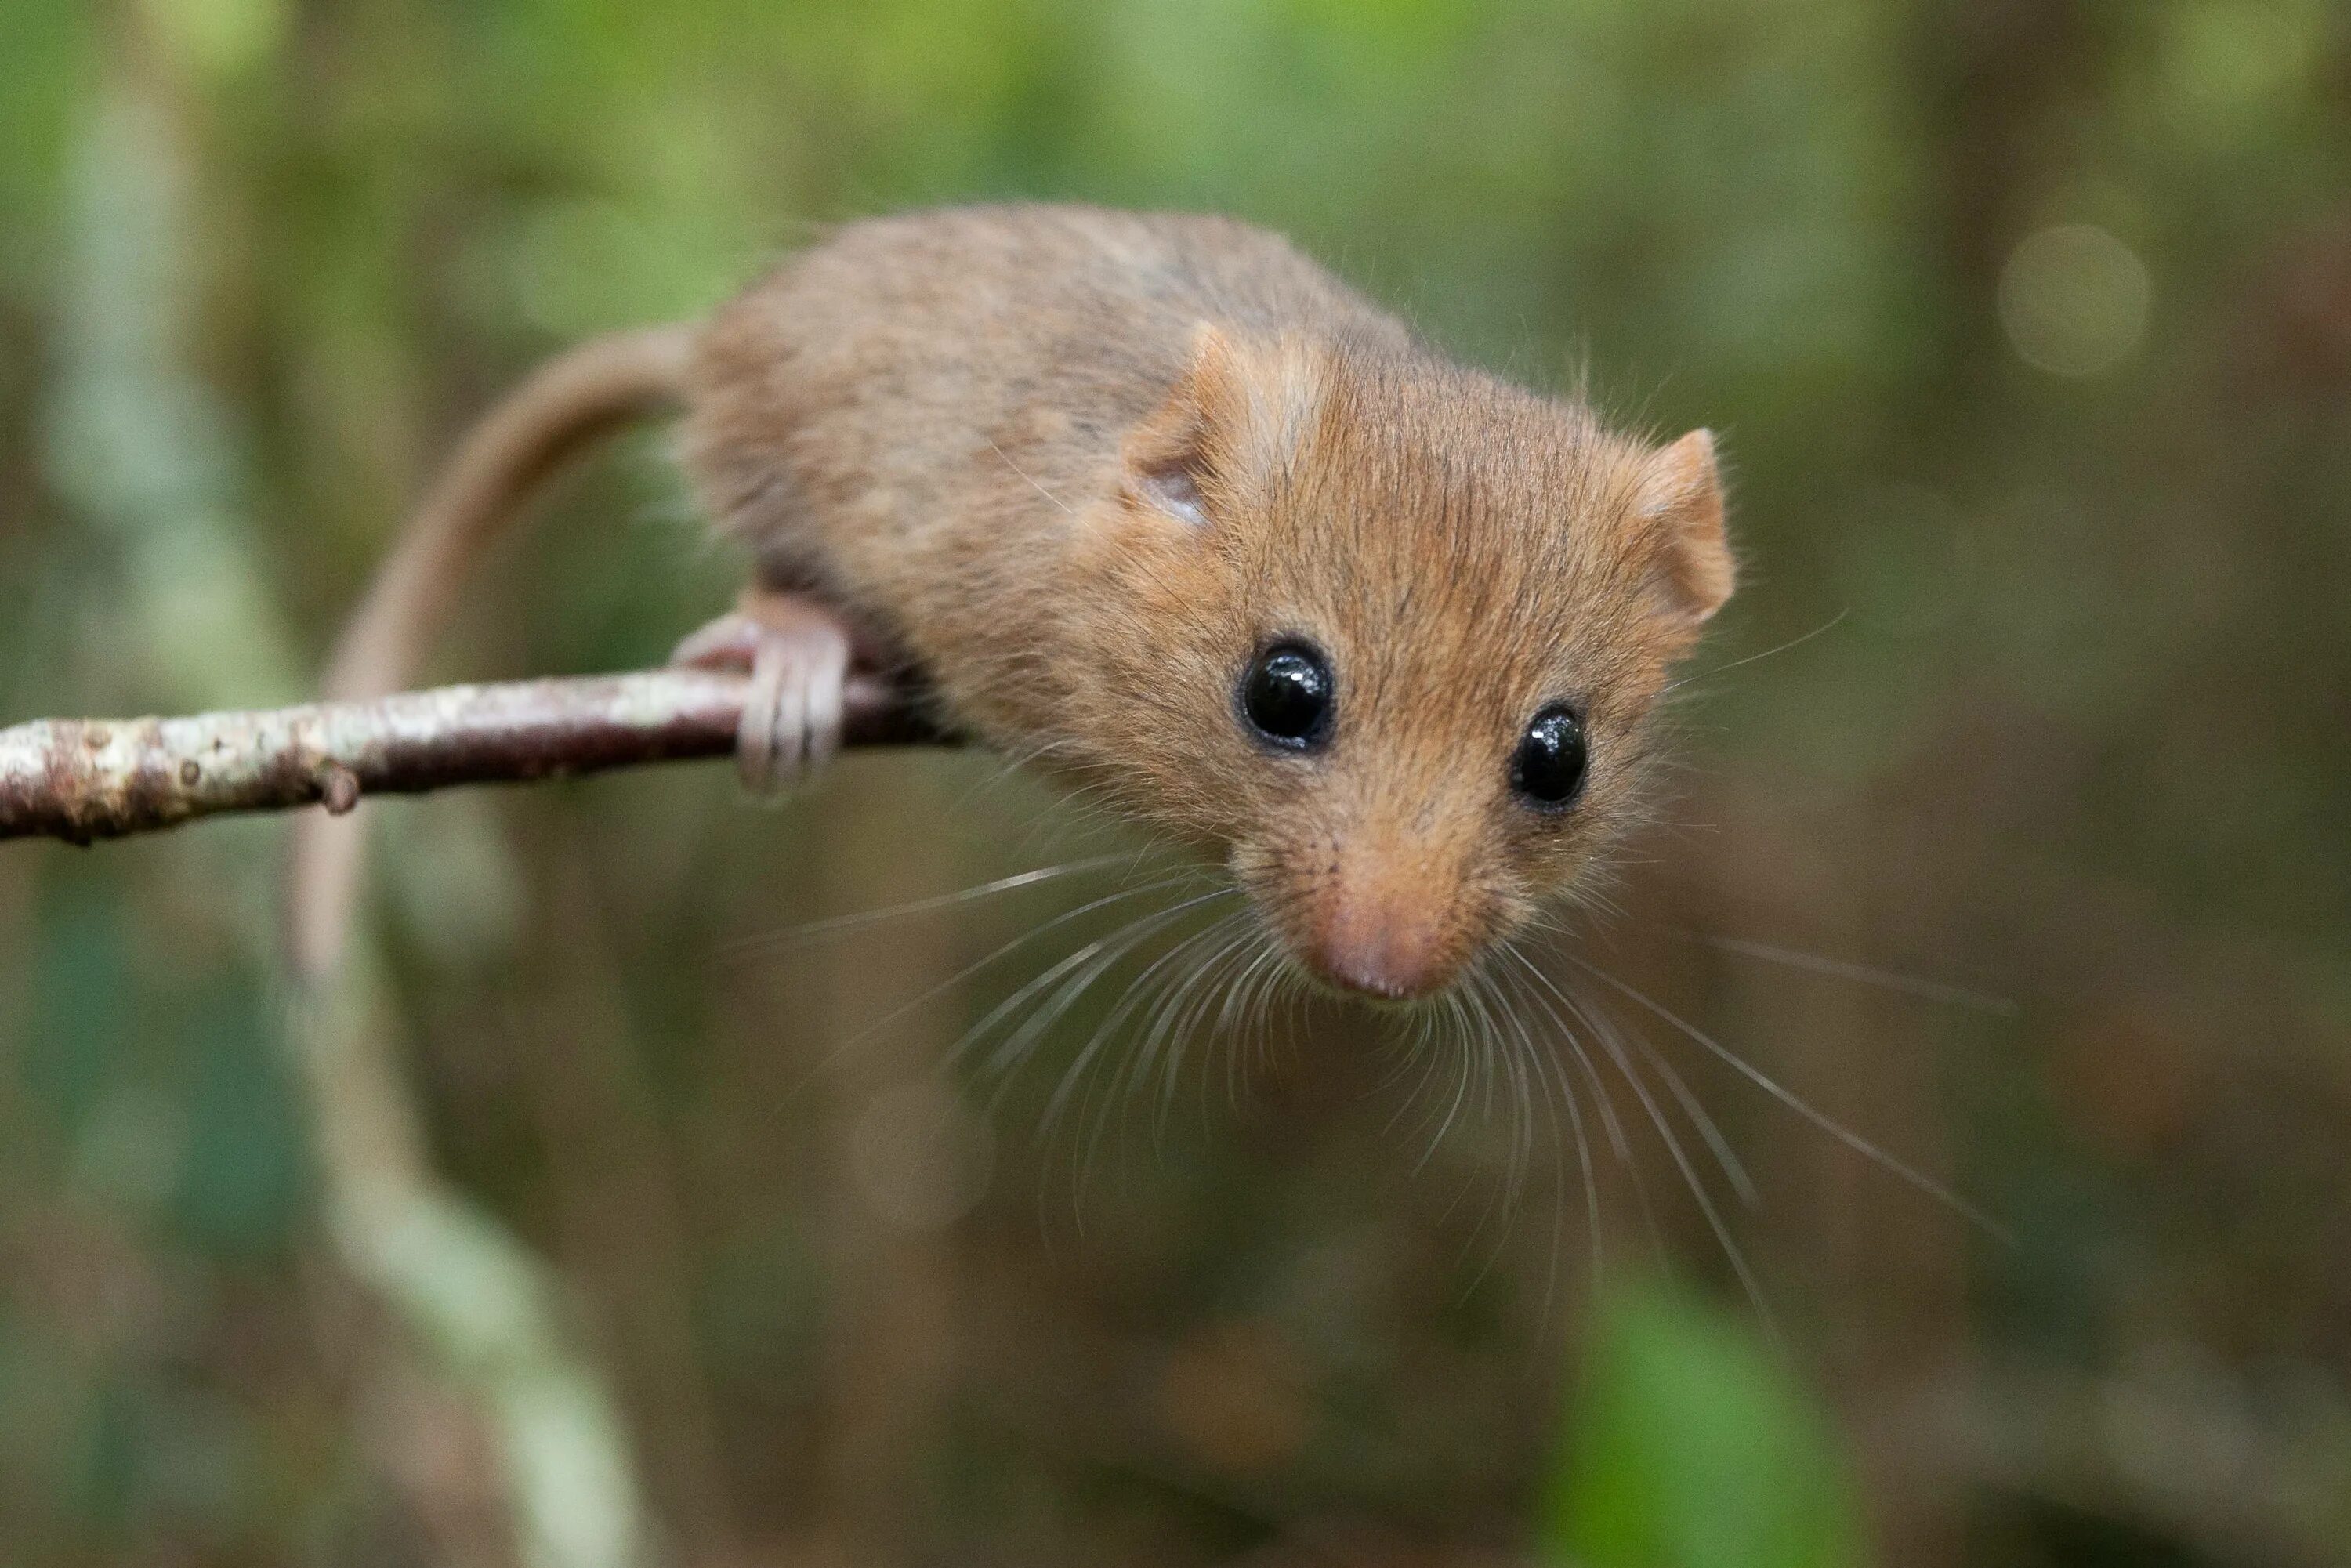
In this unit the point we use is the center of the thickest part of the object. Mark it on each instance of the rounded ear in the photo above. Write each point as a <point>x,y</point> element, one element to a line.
<point>1681,494</point>
<point>1164,460</point>
<point>1233,417</point>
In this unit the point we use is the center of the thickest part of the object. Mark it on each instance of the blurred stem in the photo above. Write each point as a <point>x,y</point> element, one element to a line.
<point>151,458</point>
<point>481,1307</point>
<point>892,1335</point>
<point>620,1226</point>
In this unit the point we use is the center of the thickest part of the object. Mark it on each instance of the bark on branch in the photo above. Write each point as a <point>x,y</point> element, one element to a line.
<point>84,779</point>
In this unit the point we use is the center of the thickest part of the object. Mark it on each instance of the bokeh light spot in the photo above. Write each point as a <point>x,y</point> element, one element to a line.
<point>2073,299</point>
<point>920,1159</point>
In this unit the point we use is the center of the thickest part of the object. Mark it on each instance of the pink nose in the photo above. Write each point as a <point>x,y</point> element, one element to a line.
<point>1387,949</point>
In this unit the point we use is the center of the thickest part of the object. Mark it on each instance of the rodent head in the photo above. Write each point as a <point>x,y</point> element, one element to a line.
<point>1388,632</point>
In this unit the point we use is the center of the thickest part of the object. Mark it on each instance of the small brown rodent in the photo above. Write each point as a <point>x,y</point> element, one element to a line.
<point>1161,506</point>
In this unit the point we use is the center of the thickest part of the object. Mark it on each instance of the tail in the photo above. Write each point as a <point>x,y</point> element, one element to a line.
<point>564,407</point>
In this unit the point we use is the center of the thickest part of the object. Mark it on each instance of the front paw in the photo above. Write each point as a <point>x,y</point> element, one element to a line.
<point>797,652</point>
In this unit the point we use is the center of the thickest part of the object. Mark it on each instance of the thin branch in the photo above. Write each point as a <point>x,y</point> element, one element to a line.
<point>84,779</point>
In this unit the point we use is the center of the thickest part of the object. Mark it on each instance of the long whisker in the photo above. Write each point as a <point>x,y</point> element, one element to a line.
<point>1539,1111</point>
<point>1034,1028</point>
<point>1190,1004</point>
<point>1075,1075</point>
<point>1457,1015</point>
<point>1481,1051</point>
<point>1403,1049</point>
<point>1166,1042</point>
<point>932,993</point>
<point>1518,1146</point>
<point>1473,1079</point>
<point>1000,1062</point>
<point>1091,961</point>
<point>1132,1073</point>
<point>1418,1050</point>
<point>1806,1109</point>
<point>1238,1009</point>
<point>1605,1102</point>
<point>1038,983</point>
<point>1612,1038</point>
<point>1209,988</point>
<point>792,936</point>
<point>1062,919</point>
<point>1612,1042</point>
<point>1734,1170</point>
<point>1017,1046</point>
<point>1234,1014</point>
<point>1831,624</point>
<point>1033,479</point>
<point>1148,984</point>
<point>1864,974</point>
<point>1525,1130</point>
<point>1618,1144</point>
<point>1494,1012</point>
<point>1552,1075</point>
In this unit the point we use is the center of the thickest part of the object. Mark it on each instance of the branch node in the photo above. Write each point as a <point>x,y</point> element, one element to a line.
<point>339,788</point>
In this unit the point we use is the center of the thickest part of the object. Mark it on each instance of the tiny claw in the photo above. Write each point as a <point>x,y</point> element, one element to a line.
<point>797,652</point>
<point>730,642</point>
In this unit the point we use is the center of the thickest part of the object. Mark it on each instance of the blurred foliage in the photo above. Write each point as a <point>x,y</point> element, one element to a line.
<point>1693,1445</point>
<point>2028,326</point>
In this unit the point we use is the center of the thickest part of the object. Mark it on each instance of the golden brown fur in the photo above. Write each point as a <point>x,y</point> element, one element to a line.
<point>947,423</point>
<point>1080,467</point>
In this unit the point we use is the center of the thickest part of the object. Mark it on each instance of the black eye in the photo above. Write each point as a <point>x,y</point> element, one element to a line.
<point>1548,767</point>
<point>1286,695</point>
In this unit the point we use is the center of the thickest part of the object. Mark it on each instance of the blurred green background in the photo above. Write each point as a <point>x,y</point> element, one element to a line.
<point>2027,324</point>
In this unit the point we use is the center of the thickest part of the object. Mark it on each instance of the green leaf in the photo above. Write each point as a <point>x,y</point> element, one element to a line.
<point>1692,1445</point>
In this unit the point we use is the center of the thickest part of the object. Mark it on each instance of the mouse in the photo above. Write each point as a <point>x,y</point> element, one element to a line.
<point>1159,506</point>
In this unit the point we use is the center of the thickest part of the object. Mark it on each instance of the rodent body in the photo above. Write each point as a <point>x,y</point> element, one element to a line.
<point>915,417</point>
<point>1110,480</point>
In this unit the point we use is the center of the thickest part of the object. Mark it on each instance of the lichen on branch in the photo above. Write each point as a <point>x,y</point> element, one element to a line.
<point>85,779</point>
